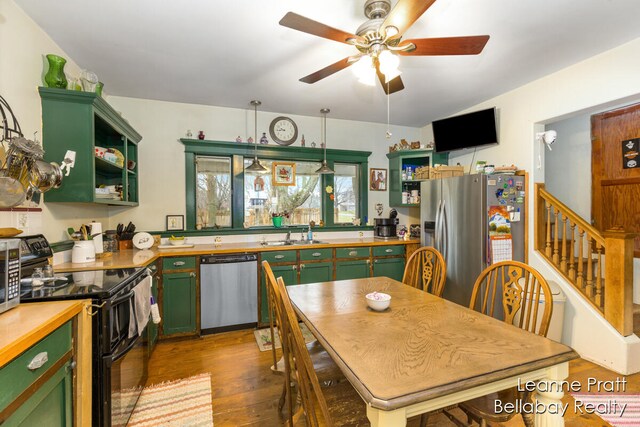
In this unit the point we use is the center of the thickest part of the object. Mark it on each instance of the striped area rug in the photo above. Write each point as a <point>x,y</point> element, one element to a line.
<point>180,403</point>
<point>617,409</point>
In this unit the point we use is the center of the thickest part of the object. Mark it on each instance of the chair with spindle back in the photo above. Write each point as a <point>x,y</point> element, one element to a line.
<point>426,270</point>
<point>329,372</point>
<point>519,289</point>
<point>327,406</point>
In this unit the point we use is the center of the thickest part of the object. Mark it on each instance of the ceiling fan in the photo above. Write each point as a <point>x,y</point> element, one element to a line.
<point>379,41</point>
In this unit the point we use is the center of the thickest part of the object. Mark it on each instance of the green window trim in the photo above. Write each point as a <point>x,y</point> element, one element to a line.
<point>238,151</point>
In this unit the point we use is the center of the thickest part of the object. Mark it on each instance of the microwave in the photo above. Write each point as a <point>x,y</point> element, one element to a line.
<point>9,273</point>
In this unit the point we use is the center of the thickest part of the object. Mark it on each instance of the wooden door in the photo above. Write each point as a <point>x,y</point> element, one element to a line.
<point>615,168</point>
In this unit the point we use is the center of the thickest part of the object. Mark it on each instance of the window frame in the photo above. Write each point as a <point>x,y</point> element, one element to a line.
<point>237,152</point>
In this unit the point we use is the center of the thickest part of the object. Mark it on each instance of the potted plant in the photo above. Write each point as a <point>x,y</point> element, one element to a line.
<point>277,218</point>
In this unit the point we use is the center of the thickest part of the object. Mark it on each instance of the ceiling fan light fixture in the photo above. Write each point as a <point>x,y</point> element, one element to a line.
<point>391,31</point>
<point>389,62</point>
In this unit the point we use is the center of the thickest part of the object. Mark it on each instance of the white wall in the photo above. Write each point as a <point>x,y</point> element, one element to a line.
<point>606,79</point>
<point>22,68</point>
<point>161,166</point>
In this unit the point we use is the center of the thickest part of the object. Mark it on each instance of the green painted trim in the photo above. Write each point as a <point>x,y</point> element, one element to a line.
<point>63,245</point>
<point>237,193</point>
<point>410,153</point>
<point>364,192</point>
<point>260,230</point>
<point>271,151</point>
<point>190,189</point>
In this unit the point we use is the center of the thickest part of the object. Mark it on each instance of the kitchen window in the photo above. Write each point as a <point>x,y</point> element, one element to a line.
<point>222,195</point>
<point>302,200</point>
<point>346,190</point>
<point>213,191</point>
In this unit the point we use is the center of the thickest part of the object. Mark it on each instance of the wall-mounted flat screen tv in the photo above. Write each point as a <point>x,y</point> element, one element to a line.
<point>465,131</point>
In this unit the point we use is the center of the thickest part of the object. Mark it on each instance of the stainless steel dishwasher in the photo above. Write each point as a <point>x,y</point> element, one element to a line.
<point>228,292</point>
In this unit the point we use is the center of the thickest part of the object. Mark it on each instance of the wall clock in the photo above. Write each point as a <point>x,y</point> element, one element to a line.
<point>283,130</point>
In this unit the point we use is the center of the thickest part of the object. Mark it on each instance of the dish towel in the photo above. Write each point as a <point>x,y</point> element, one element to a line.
<point>142,307</point>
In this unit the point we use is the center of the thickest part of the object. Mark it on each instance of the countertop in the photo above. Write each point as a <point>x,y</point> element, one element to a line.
<point>23,326</point>
<point>131,258</point>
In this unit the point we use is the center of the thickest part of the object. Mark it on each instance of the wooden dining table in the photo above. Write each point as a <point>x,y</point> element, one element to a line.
<point>425,353</point>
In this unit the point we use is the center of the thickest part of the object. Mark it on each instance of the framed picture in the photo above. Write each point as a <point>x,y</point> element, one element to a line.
<point>284,173</point>
<point>175,222</point>
<point>377,179</point>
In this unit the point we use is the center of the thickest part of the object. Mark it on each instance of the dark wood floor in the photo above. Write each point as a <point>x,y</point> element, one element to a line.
<point>245,392</point>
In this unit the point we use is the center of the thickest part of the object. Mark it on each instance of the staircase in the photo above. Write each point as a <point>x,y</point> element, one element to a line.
<point>584,256</point>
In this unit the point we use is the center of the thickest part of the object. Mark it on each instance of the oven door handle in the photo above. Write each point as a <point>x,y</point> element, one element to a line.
<point>122,352</point>
<point>122,299</point>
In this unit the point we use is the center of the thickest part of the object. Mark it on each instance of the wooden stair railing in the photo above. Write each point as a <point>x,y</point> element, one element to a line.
<point>577,251</point>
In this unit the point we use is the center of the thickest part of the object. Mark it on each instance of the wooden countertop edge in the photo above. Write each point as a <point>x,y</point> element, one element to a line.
<point>31,337</point>
<point>226,248</point>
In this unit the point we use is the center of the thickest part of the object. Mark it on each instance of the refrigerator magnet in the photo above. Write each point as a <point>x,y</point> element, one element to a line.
<point>520,200</point>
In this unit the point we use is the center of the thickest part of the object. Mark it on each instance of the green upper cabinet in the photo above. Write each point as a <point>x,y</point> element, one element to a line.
<point>399,161</point>
<point>82,121</point>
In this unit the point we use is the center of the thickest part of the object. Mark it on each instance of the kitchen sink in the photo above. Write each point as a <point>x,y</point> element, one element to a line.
<point>292,242</point>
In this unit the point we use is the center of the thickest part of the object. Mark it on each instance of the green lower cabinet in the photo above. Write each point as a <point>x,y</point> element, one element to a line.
<point>316,272</point>
<point>179,303</point>
<point>49,405</point>
<point>389,267</point>
<point>346,270</point>
<point>290,277</point>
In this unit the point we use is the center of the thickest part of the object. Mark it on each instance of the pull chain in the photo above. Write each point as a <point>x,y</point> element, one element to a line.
<point>388,96</point>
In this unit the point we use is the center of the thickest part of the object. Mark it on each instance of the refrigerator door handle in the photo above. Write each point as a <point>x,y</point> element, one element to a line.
<point>436,233</point>
<point>445,231</point>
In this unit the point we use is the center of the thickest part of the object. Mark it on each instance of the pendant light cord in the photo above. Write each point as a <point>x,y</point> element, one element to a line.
<point>388,135</point>
<point>255,130</point>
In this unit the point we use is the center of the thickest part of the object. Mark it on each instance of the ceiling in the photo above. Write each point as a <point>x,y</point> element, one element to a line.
<point>226,53</point>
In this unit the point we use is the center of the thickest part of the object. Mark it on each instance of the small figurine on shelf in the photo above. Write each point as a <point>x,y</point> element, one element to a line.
<point>302,142</point>
<point>263,139</point>
<point>313,144</point>
<point>238,139</point>
<point>189,134</point>
<point>250,140</point>
<point>322,144</point>
<point>201,135</point>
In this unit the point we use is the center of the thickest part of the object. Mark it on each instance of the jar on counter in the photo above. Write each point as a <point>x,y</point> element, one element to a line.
<point>110,242</point>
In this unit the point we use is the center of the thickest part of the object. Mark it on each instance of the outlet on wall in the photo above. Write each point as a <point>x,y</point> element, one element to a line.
<point>218,239</point>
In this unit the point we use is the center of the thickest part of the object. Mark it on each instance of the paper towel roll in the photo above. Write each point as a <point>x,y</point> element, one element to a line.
<point>96,228</point>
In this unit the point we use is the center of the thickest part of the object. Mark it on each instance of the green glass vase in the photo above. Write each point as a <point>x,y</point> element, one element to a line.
<point>55,77</point>
<point>277,221</point>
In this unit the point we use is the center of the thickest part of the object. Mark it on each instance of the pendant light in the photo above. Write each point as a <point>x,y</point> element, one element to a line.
<point>255,166</point>
<point>324,169</point>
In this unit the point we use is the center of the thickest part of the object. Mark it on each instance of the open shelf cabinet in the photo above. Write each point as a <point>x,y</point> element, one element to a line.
<point>399,161</point>
<point>82,121</point>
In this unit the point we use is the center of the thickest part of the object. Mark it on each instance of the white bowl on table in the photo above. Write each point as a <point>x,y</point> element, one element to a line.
<point>378,301</point>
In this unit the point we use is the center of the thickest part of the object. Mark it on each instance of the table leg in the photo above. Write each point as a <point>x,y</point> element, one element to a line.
<point>549,407</point>
<point>380,418</point>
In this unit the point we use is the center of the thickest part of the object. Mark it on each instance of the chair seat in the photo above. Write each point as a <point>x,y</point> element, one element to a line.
<point>483,407</point>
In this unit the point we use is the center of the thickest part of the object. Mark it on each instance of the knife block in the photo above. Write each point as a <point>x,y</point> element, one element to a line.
<point>125,244</point>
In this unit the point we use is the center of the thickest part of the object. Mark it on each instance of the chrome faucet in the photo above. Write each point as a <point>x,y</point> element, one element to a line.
<point>288,238</point>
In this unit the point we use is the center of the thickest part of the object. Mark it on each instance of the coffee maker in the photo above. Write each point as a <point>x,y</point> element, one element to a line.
<point>385,228</point>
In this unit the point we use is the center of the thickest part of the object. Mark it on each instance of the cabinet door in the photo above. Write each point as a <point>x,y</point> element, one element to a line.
<point>179,303</point>
<point>49,405</point>
<point>389,267</point>
<point>289,274</point>
<point>316,272</point>
<point>352,269</point>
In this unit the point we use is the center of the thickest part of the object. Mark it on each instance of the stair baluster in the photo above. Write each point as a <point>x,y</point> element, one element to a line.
<point>572,265</point>
<point>555,237</point>
<point>547,248</point>
<point>598,298</point>
<point>580,278</point>
<point>563,259</point>
<point>589,287</point>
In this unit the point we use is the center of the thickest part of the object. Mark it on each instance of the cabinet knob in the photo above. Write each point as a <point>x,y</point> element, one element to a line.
<point>368,261</point>
<point>375,261</point>
<point>353,253</point>
<point>192,274</point>
<point>301,266</point>
<point>178,263</point>
<point>38,361</point>
<point>295,267</point>
<point>279,256</point>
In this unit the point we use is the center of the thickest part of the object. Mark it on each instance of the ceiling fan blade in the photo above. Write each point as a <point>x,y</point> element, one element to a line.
<point>327,71</point>
<point>395,85</point>
<point>471,45</point>
<point>309,26</point>
<point>404,14</point>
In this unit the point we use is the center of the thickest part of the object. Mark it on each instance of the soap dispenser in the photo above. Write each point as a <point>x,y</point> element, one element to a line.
<point>310,234</point>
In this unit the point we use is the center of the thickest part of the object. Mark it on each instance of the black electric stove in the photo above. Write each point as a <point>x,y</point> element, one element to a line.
<point>94,284</point>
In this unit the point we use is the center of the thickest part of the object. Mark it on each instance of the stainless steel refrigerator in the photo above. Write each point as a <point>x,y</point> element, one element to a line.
<point>454,213</point>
